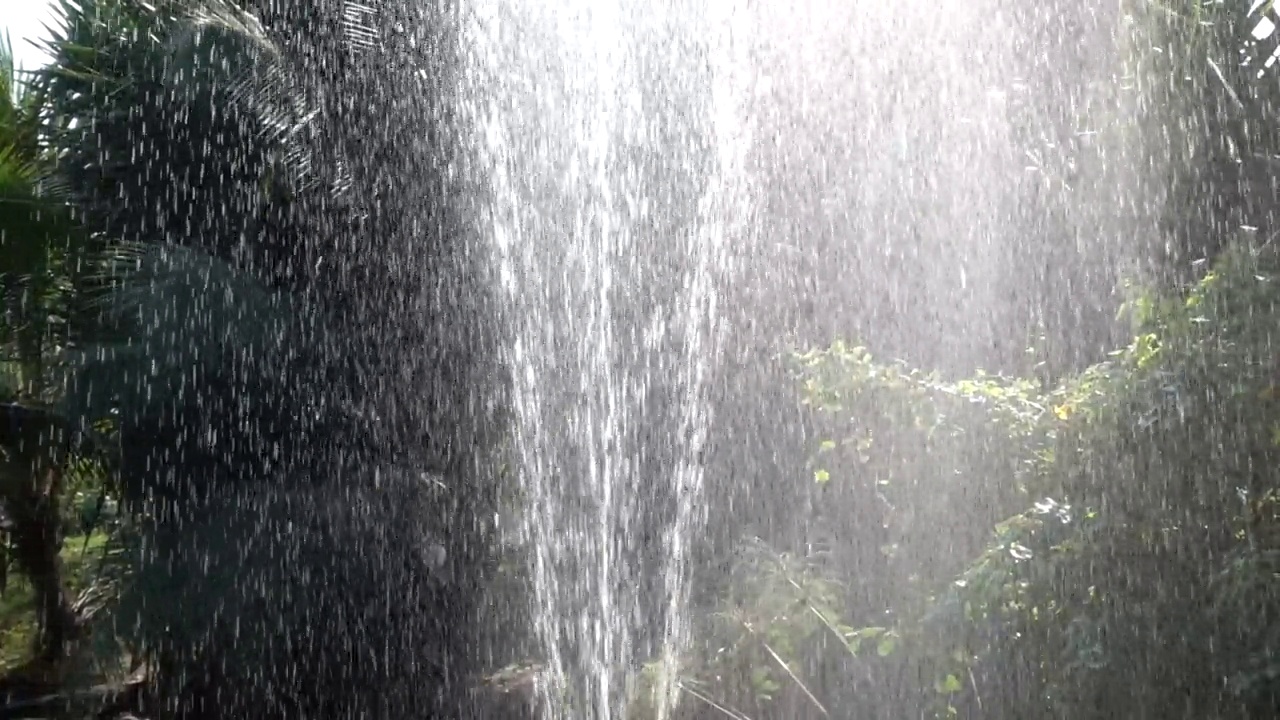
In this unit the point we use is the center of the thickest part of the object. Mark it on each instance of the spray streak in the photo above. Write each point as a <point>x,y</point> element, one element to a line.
<point>567,216</point>
<point>721,213</point>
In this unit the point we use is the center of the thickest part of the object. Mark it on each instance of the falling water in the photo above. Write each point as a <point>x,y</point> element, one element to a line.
<point>610,172</point>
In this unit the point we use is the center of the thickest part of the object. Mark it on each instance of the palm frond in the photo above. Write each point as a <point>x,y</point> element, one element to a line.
<point>178,123</point>
<point>358,25</point>
<point>188,142</point>
<point>218,34</point>
<point>47,260</point>
<point>10,87</point>
<point>15,87</point>
<point>179,315</point>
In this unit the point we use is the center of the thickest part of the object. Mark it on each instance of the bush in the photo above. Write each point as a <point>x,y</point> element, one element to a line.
<point>992,547</point>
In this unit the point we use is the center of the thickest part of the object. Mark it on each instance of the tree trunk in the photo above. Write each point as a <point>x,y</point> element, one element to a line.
<point>37,544</point>
<point>30,486</point>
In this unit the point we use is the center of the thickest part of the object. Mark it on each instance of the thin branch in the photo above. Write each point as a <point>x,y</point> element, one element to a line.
<point>819,614</point>
<point>727,711</point>
<point>973,682</point>
<point>1231,92</point>
<point>778,659</point>
<point>791,673</point>
<point>93,700</point>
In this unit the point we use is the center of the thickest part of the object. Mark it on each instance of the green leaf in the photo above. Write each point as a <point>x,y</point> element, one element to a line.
<point>866,632</point>
<point>886,646</point>
<point>821,476</point>
<point>827,445</point>
<point>949,685</point>
<point>854,638</point>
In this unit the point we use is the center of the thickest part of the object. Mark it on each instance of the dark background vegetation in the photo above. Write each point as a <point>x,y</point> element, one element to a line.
<point>221,501</point>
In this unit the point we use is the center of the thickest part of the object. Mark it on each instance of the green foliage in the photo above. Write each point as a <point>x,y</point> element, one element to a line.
<point>53,277</point>
<point>1196,116</point>
<point>192,102</point>
<point>167,323</point>
<point>1148,545</point>
<point>1106,539</point>
<point>1102,540</point>
<point>134,85</point>
<point>773,616</point>
<point>53,271</point>
<point>917,451</point>
<point>776,606</point>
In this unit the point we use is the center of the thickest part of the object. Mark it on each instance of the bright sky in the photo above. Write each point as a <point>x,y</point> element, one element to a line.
<point>24,20</point>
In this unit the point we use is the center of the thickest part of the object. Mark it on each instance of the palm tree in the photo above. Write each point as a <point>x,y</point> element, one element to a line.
<point>283,505</point>
<point>1203,120</point>
<point>36,236</point>
<point>46,293</point>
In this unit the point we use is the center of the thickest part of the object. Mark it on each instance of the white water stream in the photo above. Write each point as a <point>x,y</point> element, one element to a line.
<point>613,157</point>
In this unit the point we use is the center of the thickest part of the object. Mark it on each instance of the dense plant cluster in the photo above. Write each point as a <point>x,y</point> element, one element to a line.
<point>1088,543</point>
<point>992,547</point>
<point>203,299</point>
